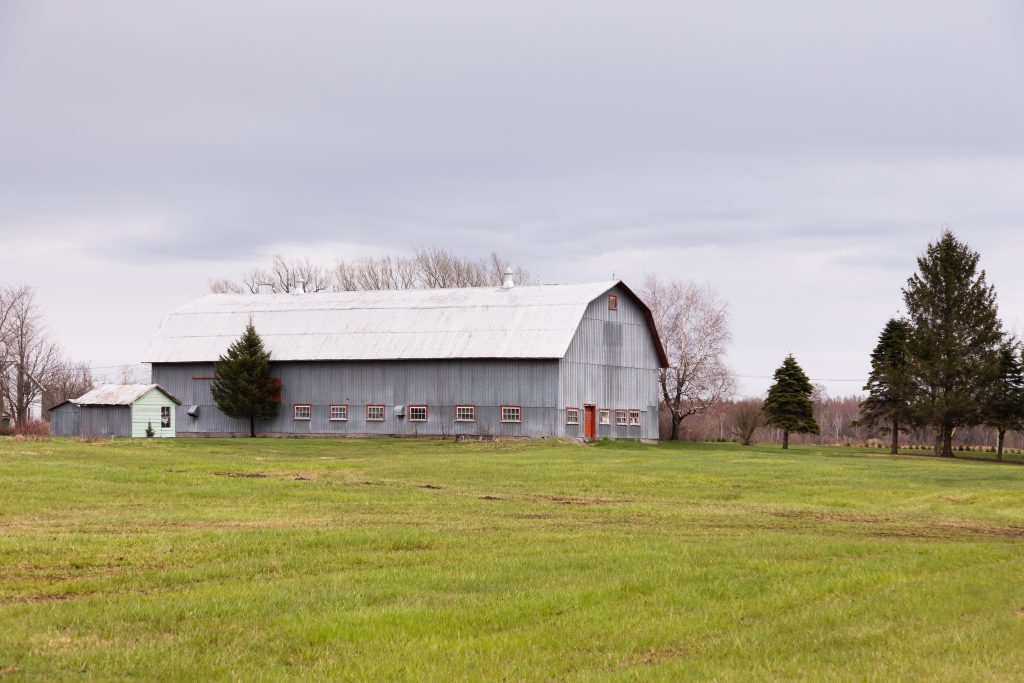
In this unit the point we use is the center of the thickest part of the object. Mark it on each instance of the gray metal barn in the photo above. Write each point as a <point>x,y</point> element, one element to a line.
<point>548,360</point>
<point>117,410</point>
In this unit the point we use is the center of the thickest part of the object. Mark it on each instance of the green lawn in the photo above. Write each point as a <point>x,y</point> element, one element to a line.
<point>427,560</point>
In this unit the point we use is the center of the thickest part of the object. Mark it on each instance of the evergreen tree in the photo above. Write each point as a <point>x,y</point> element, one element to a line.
<point>954,339</point>
<point>242,385</point>
<point>1005,405</point>
<point>788,406</point>
<point>890,390</point>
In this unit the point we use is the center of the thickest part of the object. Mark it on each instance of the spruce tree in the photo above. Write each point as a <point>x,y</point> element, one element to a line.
<point>954,340</point>
<point>890,390</point>
<point>242,385</point>
<point>788,406</point>
<point>1004,409</point>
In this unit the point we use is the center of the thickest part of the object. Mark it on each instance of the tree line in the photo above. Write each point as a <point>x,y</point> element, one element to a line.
<point>427,268</point>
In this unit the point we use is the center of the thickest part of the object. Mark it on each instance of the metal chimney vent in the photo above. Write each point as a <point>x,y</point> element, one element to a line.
<point>508,281</point>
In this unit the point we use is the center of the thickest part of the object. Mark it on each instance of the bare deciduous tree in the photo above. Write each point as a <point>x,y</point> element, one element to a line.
<point>28,355</point>
<point>67,380</point>
<point>694,327</point>
<point>427,268</point>
<point>745,418</point>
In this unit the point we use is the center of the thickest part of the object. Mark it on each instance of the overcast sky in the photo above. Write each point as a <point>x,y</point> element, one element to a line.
<point>796,155</point>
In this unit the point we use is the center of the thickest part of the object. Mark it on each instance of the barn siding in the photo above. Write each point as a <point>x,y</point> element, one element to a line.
<point>612,362</point>
<point>64,420</point>
<point>146,410</point>
<point>103,421</point>
<point>442,384</point>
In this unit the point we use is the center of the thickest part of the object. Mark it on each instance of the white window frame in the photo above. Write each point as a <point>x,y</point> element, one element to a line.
<point>634,417</point>
<point>472,413</point>
<point>417,407</point>
<point>518,412</point>
<point>163,410</point>
<point>342,408</point>
<point>569,416</point>
<point>604,416</point>
<point>383,412</point>
<point>300,418</point>
<point>621,418</point>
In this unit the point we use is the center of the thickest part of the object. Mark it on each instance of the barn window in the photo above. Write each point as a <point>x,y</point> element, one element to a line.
<point>465,413</point>
<point>634,418</point>
<point>605,416</point>
<point>613,302</point>
<point>417,413</point>
<point>374,413</point>
<point>165,417</point>
<point>302,411</point>
<point>339,412</point>
<point>511,414</point>
<point>572,416</point>
<point>620,417</point>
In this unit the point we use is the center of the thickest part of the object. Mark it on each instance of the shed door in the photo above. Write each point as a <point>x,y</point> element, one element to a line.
<point>588,421</point>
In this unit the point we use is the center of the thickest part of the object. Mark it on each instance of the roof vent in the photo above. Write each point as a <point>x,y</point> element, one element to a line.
<point>508,278</point>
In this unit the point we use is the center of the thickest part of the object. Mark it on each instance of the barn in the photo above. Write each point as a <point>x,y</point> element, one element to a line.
<point>578,360</point>
<point>117,410</point>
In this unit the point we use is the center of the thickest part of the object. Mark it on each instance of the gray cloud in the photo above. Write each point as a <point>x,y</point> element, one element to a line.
<point>798,155</point>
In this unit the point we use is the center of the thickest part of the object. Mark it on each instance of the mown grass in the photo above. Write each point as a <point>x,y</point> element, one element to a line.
<point>427,560</point>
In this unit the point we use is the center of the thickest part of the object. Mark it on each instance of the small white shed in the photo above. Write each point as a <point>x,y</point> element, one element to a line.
<point>117,410</point>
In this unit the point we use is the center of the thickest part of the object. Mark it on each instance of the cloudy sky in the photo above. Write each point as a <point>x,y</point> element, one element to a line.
<point>798,155</point>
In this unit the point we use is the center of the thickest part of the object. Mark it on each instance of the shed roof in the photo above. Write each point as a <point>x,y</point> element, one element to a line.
<point>119,395</point>
<point>478,322</point>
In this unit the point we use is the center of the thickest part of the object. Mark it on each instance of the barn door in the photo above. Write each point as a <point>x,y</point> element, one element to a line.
<point>589,415</point>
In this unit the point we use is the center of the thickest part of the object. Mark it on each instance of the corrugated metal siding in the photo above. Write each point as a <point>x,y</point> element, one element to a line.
<point>612,363</point>
<point>101,421</point>
<point>487,384</point>
<point>64,420</point>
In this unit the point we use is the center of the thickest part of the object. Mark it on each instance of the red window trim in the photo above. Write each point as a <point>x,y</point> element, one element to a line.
<point>426,411</point>
<point>501,414</point>
<point>296,406</point>
<point>203,377</point>
<point>625,414</point>
<point>464,419</point>
<point>330,409</point>
<point>632,410</point>
<point>384,412</point>
<point>613,302</point>
<point>567,409</point>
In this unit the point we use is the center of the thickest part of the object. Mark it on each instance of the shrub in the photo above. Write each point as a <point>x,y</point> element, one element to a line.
<point>34,428</point>
<point>149,430</point>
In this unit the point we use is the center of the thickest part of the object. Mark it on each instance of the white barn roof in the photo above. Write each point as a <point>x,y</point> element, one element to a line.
<point>479,322</point>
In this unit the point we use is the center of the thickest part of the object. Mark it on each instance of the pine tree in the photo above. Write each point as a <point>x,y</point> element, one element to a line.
<point>1004,408</point>
<point>890,390</point>
<point>242,385</point>
<point>954,339</point>
<point>788,406</point>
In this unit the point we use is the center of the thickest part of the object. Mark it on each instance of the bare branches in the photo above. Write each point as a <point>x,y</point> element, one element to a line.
<point>427,268</point>
<point>694,327</point>
<point>28,354</point>
<point>745,418</point>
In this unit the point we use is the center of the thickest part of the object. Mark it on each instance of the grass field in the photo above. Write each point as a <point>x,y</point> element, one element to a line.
<point>427,560</point>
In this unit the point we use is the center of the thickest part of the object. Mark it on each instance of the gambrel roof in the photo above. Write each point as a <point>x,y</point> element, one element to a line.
<point>417,324</point>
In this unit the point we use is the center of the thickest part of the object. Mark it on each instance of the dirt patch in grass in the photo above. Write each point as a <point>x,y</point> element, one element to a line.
<point>938,529</point>
<point>653,656</point>
<point>294,476</point>
<point>576,500</point>
<point>429,486</point>
<point>489,498</point>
